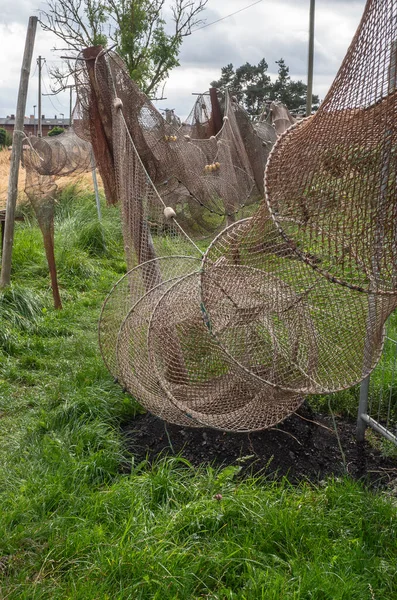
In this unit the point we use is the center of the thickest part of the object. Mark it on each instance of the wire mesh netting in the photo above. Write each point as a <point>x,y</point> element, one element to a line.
<point>289,302</point>
<point>44,161</point>
<point>333,176</point>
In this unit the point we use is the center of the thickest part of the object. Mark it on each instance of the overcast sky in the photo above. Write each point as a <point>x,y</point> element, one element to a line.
<point>271,29</point>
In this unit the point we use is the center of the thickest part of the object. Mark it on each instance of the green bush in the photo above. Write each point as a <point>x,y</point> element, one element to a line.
<point>5,138</point>
<point>56,131</point>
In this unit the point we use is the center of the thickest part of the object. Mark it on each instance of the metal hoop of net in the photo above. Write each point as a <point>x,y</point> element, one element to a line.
<point>331,179</point>
<point>290,302</point>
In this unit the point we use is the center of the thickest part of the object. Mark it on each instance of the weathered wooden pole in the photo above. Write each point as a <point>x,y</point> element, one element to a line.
<point>16,155</point>
<point>216,111</point>
<point>101,123</point>
<point>310,60</point>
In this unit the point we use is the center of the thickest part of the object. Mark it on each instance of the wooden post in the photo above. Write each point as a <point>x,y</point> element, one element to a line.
<point>101,125</point>
<point>70,105</point>
<point>216,111</point>
<point>310,61</point>
<point>48,237</point>
<point>16,154</point>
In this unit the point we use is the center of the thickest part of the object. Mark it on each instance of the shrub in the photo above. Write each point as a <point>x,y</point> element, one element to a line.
<point>56,130</point>
<point>5,138</point>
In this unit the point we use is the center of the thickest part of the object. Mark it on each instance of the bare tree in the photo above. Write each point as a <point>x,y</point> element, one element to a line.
<point>148,43</point>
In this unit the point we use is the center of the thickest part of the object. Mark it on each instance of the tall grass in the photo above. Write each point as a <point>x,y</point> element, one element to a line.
<point>81,520</point>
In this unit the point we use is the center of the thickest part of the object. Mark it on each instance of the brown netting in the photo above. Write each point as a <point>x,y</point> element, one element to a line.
<point>286,303</point>
<point>333,176</point>
<point>281,320</point>
<point>199,124</point>
<point>280,117</point>
<point>206,385</point>
<point>207,179</point>
<point>128,291</point>
<point>44,161</point>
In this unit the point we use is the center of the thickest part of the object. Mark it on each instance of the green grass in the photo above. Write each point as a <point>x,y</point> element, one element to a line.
<point>81,520</point>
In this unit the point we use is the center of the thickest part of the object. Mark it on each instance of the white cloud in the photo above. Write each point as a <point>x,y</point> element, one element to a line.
<point>270,29</point>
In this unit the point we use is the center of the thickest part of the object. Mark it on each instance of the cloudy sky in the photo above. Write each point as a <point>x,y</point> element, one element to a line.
<point>271,29</point>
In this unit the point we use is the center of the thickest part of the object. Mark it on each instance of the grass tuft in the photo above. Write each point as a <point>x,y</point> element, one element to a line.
<point>21,307</point>
<point>91,238</point>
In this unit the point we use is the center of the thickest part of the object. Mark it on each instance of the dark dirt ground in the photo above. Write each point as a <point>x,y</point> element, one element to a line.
<point>303,447</point>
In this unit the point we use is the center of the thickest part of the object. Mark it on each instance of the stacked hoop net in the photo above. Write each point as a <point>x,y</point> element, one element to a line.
<point>289,302</point>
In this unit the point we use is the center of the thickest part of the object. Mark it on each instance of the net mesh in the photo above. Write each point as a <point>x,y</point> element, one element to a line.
<point>45,160</point>
<point>289,302</point>
<point>333,176</point>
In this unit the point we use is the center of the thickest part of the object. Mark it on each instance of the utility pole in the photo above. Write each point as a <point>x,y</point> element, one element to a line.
<point>34,119</point>
<point>310,60</point>
<point>40,61</point>
<point>62,89</point>
<point>16,154</point>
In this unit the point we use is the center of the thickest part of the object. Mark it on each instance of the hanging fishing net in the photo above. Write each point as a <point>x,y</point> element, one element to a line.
<point>292,301</point>
<point>45,160</point>
<point>331,180</point>
<point>206,170</point>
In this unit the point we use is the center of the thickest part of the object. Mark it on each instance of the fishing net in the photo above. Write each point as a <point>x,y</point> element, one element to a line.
<point>289,302</point>
<point>281,320</point>
<point>45,160</point>
<point>206,170</point>
<point>331,179</point>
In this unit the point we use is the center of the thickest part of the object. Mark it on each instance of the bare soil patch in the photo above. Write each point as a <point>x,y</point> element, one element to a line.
<point>303,447</point>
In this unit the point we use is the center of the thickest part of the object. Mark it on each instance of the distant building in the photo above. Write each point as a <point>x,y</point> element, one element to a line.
<point>31,123</point>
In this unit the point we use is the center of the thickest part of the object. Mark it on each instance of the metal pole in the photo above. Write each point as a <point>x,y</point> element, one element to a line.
<point>39,131</point>
<point>70,106</point>
<point>362,409</point>
<point>95,181</point>
<point>16,154</point>
<point>310,60</point>
<point>379,428</point>
<point>34,119</point>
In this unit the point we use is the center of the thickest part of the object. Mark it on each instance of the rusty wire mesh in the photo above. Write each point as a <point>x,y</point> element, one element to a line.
<point>333,176</point>
<point>281,320</point>
<point>289,302</point>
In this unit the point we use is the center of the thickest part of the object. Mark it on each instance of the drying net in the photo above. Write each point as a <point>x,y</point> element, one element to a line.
<point>331,181</point>
<point>45,160</point>
<point>207,171</point>
<point>289,302</point>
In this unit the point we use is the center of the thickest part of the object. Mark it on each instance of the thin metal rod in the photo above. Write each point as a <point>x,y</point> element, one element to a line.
<point>70,105</point>
<point>16,153</point>
<point>95,182</point>
<point>310,60</point>
<point>377,257</point>
<point>362,409</point>
<point>40,129</point>
<point>379,428</point>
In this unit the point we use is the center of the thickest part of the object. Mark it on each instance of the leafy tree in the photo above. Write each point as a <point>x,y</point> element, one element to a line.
<point>290,93</point>
<point>252,86</point>
<point>56,130</point>
<point>136,27</point>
